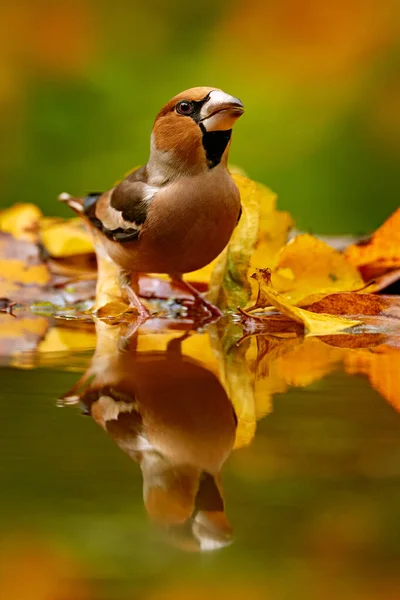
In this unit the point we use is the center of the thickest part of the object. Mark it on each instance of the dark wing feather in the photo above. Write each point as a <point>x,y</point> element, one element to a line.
<point>119,214</point>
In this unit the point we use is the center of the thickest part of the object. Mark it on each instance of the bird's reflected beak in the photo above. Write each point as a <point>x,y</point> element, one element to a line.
<point>221,111</point>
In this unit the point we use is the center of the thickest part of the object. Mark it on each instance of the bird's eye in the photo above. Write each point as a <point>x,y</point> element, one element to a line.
<point>185,107</point>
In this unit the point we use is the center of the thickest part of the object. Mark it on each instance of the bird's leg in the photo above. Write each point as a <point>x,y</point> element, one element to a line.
<point>198,297</point>
<point>129,283</point>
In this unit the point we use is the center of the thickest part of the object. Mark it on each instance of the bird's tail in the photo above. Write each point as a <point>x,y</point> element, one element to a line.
<point>77,204</point>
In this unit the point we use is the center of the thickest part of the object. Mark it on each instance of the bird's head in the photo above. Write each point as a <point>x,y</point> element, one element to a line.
<point>193,130</point>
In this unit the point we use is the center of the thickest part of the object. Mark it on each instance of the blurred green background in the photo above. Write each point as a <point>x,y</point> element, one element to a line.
<point>81,82</point>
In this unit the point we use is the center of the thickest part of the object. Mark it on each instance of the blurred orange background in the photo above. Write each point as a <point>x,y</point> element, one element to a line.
<point>80,84</point>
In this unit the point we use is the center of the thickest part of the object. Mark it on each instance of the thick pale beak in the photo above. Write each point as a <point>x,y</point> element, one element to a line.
<point>221,111</point>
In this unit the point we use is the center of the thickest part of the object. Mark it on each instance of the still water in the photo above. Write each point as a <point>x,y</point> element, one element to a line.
<point>173,464</point>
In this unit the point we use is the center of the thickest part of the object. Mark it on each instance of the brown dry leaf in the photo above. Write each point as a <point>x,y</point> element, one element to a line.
<point>21,220</point>
<point>308,266</point>
<point>351,303</point>
<point>382,367</point>
<point>381,312</point>
<point>378,278</point>
<point>314,324</point>
<point>382,250</point>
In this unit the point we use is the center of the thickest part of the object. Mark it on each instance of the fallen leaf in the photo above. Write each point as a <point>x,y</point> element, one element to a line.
<point>314,324</point>
<point>21,220</point>
<point>351,303</point>
<point>383,248</point>
<point>308,266</point>
<point>385,280</point>
<point>63,238</point>
<point>229,286</point>
<point>274,230</point>
<point>23,275</point>
<point>78,266</point>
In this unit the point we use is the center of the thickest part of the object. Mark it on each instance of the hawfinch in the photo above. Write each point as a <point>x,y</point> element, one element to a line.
<point>175,214</point>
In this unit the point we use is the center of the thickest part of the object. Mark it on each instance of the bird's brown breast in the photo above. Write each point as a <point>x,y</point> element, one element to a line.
<point>187,226</point>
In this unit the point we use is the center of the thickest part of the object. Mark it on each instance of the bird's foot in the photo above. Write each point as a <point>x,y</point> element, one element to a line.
<point>204,308</point>
<point>135,305</point>
<point>200,304</point>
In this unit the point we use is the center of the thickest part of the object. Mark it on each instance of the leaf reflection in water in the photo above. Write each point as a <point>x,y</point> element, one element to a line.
<point>178,401</point>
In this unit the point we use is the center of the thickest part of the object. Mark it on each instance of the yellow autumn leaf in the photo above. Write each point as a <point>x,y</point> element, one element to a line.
<point>314,323</point>
<point>274,229</point>
<point>308,267</point>
<point>21,220</point>
<point>18,272</point>
<point>260,235</point>
<point>22,274</point>
<point>63,238</point>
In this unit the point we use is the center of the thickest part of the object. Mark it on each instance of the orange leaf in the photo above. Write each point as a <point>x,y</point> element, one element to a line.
<point>382,250</point>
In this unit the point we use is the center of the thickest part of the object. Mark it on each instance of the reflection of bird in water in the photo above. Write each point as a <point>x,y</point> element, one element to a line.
<point>171,414</point>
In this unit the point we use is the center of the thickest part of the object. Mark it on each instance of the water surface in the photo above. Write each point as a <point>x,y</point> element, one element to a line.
<point>178,464</point>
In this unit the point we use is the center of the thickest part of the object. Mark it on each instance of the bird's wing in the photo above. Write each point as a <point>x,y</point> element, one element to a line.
<point>121,212</point>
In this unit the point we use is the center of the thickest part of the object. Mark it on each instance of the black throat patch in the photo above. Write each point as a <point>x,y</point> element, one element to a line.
<point>215,143</point>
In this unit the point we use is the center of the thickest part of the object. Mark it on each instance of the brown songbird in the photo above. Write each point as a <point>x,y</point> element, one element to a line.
<point>175,214</point>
